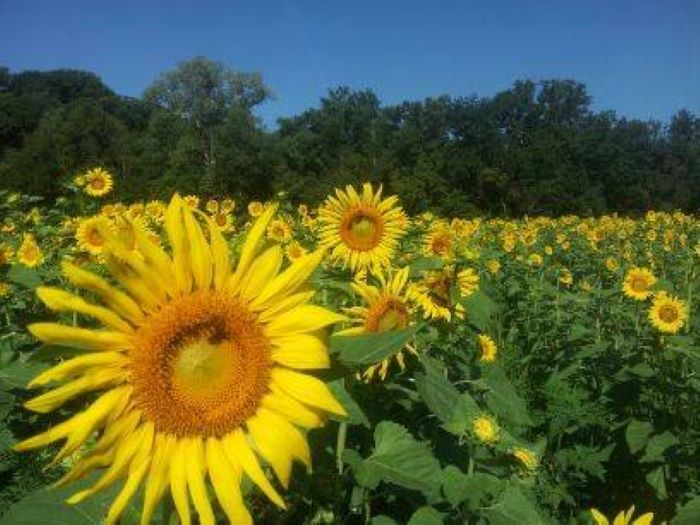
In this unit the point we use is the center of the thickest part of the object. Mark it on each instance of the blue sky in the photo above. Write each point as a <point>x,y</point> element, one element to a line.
<point>640,58</point>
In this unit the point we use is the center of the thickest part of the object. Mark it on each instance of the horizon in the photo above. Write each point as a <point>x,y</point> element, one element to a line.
<point>638,59</point>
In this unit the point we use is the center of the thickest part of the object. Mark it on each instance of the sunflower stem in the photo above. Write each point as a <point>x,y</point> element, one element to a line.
<point>340,445</point>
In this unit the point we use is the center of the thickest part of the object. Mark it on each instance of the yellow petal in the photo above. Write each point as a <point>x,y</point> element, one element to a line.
<point>226,480</point>
<point>157,480</point>
<point>274,451</point>
<point>261,272</point>
<point>199,252</point>
<point>133,481</point>
<point>285,304</point>
<point>236,448</point>
<point>145,290</point>
<point>195,466</point>
<point>115,299</point>
<point>219,255</point>
<point>644,519</point>
<point>307,389</point>
<point>95,381</point>
<point>292,409</point>
<point>175,229</point>
<point>251,245</point>
<point>62,301</point>
<point>288,281</point>
<point>178,481</point>
<point>303,351</point>
<point>305,318</point>
<point>77,365</point>
<point>57,334</point>
<point>599,518</point>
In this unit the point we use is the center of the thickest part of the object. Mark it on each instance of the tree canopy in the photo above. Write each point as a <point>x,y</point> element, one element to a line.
<point>537,147</point>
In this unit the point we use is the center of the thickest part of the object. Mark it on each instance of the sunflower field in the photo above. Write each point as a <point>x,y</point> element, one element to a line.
<point>206,361</point>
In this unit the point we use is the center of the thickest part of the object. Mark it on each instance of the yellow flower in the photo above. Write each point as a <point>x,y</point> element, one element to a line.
<point>548,250</point>
<point>92,233</point>
<point>566,277</point>
<point>493,266</point>
<point>637,283</point>
<point>255,208</point>
<point>534,260</point>
<point>439,241</point>
<point>79,181</point>
<point>279,231</point>
<point>200,369</point>
<point>432,294</point>
<point>191,200</point>
<point>667,313</point>
<point>98,182</point>
<point>6,254</point>
<point>294,250</point>
<point>386,307</point>
<point>623,518</point>
<point>487,347</point>
<point>155,210</point>
<point>5,289</point>
<point>223,221</point>
<point>485,429</point>
<point>228,205</point>
<point>611,264</point>
<point>29,253</point>
<point>526,457</point>
<point>212,206</point>
<point>468,281</point>
<point>362,229</point>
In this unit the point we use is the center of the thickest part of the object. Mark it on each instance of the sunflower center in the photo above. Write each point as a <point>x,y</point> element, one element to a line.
<point>442,243</point>
<point>94,238</point>
<point>200,366</point>
<point>361,228</point>
<point>97,183</point>
<point>668,313</point>
<point>389,314</point>
<point>639,284</point>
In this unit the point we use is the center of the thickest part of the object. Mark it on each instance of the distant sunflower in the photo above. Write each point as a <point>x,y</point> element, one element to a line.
<point>29,253</point>
<point>92,233</point>
<point>667,313</point>
<point>434,295</point>
<point>439,241</point>
<point>485,429</point>
<point>255,209</point>
<point>487,347</point>
<point>6,254</point>
<point>468,281</point>
<point>526,457</point>
<point>294,251</point>
<point>638,282</point>
<point>98,182</point>
<point>223,221</point>
<point>200,369</point>
<point>362,229</point>
<point>387,307</point>
<point>279,230</point>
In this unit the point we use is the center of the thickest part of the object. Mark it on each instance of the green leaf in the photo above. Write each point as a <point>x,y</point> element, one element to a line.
<point>355,414</point>
<point>399,459</point>
<point>657,480</point>
<point>7,402</point>
<point>464,412</point>
<point>426,516</point>
<point>513,508</point>
<point>18,373</point>
<point>424,264</point>
<point>476,490</point>
<point>361,351</point>
<point>637,435</point>
<point>657,446</point>
<point>437,392</point>
<point>20,274</point>
<point>688,514</point>
<point>480,309</point>
<point>503,399</point>
<point>382,520</point>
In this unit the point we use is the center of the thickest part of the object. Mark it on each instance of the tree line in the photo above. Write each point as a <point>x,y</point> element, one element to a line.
<point>536,148</point>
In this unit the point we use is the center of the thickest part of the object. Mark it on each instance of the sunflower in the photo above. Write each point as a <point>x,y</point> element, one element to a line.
<point>29,253</point>
<point>98,182</point>
<point>387,307</point>
<point>667,313</point>
<point>637,283</point>
<point>5,289</point>
<point>228,205</point>
<point>526,457</point>
<point>487,347</point>
<point>493,266</point>
<point>255,209</point>
<point>485,429</point>
<point>223,221</point>
<point>6,254</point>
<point>433,294</point>
<point>91,234</point>
<point>439,241</point>
<point>294,251</point>
<point>199,370</point>
<point>212,206</point>
<point>191,200</point>
<point>623,518</point>
<point>362,229</point>
<point>279,231</point>
<point>468,281</point>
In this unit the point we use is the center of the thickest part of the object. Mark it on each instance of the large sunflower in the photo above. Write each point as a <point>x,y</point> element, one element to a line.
<point>667,313</point>
<point>362,229</point>
<point>387,307</point>
<point>196,369</point>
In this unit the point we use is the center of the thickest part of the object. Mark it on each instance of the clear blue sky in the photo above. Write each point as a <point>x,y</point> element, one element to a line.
<point>640,58</point>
